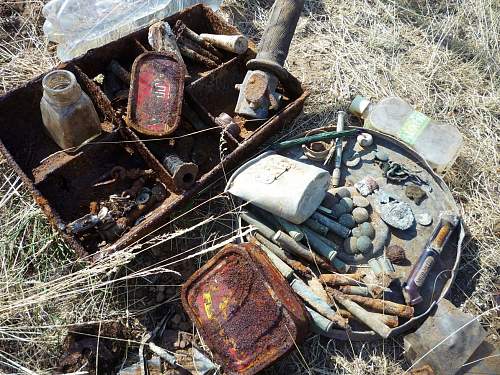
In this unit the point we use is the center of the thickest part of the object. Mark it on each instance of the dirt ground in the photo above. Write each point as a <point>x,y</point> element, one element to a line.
<point>442,56</point>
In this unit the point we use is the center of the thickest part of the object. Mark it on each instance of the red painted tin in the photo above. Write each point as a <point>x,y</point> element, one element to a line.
<point>156,92</point>
<point>244,309</point>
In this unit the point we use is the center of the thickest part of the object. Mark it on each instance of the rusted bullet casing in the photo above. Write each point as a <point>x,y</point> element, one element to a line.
<point>389,320</point>
<point>383,306</point>
<point>305,292</point>
<point>335,279</point>
<point>285,241</point>
<point>319,323</point>
<point>361,314</point>
<point>197,48</point>
<point>183,173</point>
<point>326,248</point>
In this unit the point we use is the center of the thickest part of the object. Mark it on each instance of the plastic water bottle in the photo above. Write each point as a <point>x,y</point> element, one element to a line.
<point>439,144</point>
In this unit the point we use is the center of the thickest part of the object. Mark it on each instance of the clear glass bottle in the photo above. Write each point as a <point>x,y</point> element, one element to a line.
<point>437,143</point>
<point>67,112</point>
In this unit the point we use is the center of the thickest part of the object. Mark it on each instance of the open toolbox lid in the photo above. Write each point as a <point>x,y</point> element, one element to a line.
<point>63,184</point>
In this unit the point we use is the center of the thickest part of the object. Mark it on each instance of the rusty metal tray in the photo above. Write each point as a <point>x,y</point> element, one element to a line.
<point>60,182</point>
<point>244,309</point>
<point>440,199</point>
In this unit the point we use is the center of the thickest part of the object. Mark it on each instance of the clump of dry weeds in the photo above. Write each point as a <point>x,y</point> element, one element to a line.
<point>442,56</point>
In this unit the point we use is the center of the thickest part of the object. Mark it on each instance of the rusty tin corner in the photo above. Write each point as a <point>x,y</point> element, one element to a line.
<point>244,309</point>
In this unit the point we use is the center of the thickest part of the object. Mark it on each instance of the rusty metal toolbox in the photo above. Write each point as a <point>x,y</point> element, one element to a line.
<point>245,310</point>
<point>61,183</point>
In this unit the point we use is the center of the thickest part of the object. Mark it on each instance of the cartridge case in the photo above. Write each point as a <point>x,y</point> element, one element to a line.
<point>383,306</point>
<point>332,225</point>
<point>335,279</point>
<point>362,315</point>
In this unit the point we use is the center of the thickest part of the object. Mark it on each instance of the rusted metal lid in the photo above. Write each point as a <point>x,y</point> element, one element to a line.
<point>156,93</point>
<point>244,309</point>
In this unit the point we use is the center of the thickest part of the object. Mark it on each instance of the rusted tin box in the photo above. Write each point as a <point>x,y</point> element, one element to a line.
<point>244,309</point>
<point>61,183</point>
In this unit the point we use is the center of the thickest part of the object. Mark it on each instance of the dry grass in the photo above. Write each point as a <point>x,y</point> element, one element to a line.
<point>443,56</point>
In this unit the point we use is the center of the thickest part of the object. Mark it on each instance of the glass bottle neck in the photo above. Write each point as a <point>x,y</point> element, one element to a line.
<point>60,88</point>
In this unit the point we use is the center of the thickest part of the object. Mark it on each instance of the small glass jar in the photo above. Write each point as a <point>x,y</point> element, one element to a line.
<point>68,114</point>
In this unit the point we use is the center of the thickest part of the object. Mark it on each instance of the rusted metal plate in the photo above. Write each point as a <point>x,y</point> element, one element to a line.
<point>156,93</point>
<point>244,309</point>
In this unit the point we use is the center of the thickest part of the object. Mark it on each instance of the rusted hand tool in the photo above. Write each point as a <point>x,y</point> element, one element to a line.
<point>258,90</point>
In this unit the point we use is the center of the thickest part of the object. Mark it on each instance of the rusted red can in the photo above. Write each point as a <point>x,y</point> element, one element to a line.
<point>244,309</point>
<point>156,92</point>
